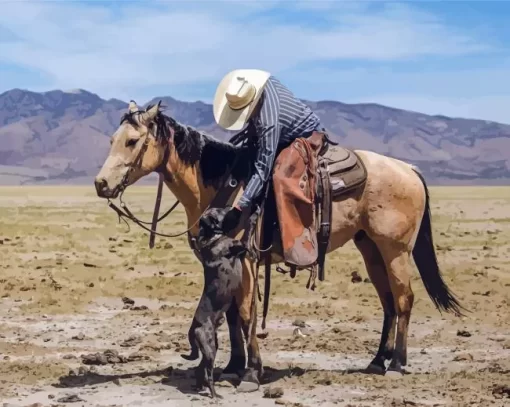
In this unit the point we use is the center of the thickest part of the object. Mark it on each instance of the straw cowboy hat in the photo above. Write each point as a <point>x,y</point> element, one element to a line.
<point>236,97</point>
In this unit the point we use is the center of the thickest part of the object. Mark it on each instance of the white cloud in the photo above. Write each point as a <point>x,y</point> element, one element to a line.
<point>482,93</point>
<point>124,51</point>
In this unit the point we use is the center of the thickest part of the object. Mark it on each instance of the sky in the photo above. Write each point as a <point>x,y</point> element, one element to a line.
<point>435,57</point>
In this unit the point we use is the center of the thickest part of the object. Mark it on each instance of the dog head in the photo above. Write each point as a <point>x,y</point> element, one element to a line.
<point>211,237</point>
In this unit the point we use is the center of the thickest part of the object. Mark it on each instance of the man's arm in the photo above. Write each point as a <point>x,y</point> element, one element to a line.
<point>268,131</point>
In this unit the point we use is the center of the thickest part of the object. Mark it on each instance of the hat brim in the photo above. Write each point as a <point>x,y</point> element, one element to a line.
<point>231,119</point>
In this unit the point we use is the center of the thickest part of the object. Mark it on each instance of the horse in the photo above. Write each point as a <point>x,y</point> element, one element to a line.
<point>389,220</point>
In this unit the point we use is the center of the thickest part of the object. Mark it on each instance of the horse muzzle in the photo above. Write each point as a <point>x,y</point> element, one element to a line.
<point>104,191</point>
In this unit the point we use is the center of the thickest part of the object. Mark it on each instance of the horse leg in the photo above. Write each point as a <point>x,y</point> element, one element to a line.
<point>255,370</point>
<point>376,269</point>
<point>237,363</point>
<point>399,274</point>
<point>248,313</point>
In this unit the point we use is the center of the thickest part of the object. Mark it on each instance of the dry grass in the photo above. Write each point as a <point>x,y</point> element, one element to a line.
<point>62,252</point>
<point>69,236</point>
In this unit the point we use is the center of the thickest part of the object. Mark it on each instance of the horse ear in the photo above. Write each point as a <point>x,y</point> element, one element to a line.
<point>150,114</point>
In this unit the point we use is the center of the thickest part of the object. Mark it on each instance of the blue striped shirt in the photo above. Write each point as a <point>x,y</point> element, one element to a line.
<point>280,119</point>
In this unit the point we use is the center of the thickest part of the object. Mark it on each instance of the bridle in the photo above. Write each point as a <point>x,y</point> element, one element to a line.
<point>124,213</point>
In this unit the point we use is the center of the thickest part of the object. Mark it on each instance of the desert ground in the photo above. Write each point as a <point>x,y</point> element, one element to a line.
<point>90,316</point>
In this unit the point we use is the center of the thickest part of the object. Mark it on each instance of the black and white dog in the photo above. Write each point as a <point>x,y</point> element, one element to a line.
<point>221,258</point>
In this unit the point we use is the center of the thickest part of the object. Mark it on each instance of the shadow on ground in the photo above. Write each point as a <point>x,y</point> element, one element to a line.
<point>184,379</point>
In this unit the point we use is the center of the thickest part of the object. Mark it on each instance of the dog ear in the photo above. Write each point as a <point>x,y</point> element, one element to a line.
<point>237,248</point>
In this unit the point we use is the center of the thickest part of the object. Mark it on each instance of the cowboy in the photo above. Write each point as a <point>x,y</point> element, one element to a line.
<point>278,117</point>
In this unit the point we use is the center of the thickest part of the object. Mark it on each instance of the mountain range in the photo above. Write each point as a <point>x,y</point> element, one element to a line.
<point>63,137</point>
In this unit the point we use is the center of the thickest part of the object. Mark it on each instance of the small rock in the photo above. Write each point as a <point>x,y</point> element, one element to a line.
<point>128,301</point>
<point>79,337</point>
<point>137,356</point>
<point>273,393</point>
<point>94,359</point>
<point>168,246</point>
<point>107,357</point>
<point>140,308</point>
<point>501,391</point>
<point>82,371</point>
<point>355,277</point>
<point>367,280</point>
<point>165,307</point>
<point>299,323</point>
<point>131,341</point>
<point>325,381</point>
<point>463,333</point>
<point>73,398</point>
<point>69,356</point>
<point>262,335</point>
<point>90,285</point>
<point>89,265</point>
<point>467,357</point>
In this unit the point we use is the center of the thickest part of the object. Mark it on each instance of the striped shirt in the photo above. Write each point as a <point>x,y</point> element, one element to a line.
<point>281,119</point>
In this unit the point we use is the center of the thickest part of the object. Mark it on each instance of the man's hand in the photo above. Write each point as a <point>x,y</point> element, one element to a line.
<point>231,220</point>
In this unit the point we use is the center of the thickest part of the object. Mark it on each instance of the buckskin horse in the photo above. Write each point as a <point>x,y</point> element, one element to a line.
<point>389,220</point>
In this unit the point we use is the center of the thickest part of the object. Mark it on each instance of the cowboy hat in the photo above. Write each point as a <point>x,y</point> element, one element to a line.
<point>236,97</point>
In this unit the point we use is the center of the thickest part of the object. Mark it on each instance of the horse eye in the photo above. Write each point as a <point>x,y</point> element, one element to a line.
<point>131,142</point>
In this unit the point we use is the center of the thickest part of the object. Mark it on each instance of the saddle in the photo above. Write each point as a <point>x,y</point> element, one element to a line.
<point>308,176</point>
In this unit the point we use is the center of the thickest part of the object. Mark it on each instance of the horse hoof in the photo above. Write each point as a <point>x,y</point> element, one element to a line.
<point>394,374</point>
<point>247,387</point>
<point>375,369</point>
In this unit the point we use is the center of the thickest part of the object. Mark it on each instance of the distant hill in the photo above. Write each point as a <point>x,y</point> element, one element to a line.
<point>63,137</point>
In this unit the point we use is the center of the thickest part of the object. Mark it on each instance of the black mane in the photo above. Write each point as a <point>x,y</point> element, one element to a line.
<point>214,157</point>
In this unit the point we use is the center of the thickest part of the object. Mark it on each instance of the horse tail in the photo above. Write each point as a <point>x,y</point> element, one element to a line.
<point>426,261</point>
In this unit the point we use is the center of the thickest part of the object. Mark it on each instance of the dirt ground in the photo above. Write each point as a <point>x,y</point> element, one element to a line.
<point>66,266</point>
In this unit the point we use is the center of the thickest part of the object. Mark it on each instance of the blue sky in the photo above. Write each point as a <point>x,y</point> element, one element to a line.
<point>436,57</point>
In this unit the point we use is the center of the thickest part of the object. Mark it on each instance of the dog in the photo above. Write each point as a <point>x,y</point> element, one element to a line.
<point>222,261</point>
